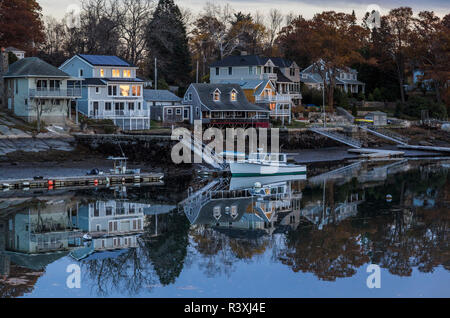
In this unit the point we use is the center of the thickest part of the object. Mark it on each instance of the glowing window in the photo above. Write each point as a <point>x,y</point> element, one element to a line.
<point>116,73</point>
<point>233,96</point>
<point>127,73</point>
<point>216,96</point>
<point>102,72</point>
<point>124,90</point>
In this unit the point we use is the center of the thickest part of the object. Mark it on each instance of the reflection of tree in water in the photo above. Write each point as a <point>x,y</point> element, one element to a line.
<point>222,248</point>
<point>398,236</point>
<point>167,252</point>
<point>130,272</point>
<point>329,254</point>
<point>156,259</point>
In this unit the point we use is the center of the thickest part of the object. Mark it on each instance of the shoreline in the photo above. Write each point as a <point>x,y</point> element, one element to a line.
<point>78,166</point>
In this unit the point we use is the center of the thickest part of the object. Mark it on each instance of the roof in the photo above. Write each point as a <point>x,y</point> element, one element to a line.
<point>93,81</point>
<point>13,49</point>
<point>281,77</point>
<point>205,93</point>
<point>104,60</point>
<point>160,95</point>
<point>241,60</point>
<point>34,66</point>
<point>281,62</point>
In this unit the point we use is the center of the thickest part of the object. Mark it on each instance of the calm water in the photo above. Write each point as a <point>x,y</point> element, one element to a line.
<point>310,237</point>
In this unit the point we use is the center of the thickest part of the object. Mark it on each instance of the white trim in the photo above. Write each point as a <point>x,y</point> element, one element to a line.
<point>75,56</point>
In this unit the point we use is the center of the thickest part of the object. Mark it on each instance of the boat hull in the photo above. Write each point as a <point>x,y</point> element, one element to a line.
<point>246,169</point>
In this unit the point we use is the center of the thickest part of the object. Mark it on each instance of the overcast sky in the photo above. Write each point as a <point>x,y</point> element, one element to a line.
<point>57,8</point>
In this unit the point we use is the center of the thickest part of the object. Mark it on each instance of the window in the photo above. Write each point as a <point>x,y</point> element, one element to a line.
<point>139,106</point>
<point>250,70</point>
<point>169,111</point>
<point>102,72</point>
<point>131,106</point>
<point>233,96</point>
<point>136,90</point>
<point>292,71</point>
<point>17,86</point>
<point>197,111</point>
<point>178,111</point>
<point>186,113</point>
<point>230,71</point>
<point>124,90</point>
<point>80,72</point>
<point>190,96</point>
<point>97,90</point>
<point>217,71</point>
<point>127,73</point>
<point>112,90</point>
<point>216,95</point>
<point>115,73</point>
<point>107,106</point>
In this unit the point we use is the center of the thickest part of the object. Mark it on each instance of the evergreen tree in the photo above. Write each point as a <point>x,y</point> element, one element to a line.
<point>167,41</point>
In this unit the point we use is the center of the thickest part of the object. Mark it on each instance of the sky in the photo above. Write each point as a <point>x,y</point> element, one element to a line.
<point>57,8</point>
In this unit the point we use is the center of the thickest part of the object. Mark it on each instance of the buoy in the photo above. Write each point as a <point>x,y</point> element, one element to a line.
<point>388,198</point>
<point>50,187</point>
<point>50,182</point>
<point>95,182</point>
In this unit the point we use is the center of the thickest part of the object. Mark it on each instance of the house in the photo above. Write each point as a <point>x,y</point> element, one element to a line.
<point>19,53</point>
<point>37,229</point>
<point>272,82</point>
<point>223,105</point>
<point>346,79</point>
<point>32,85</point>
<point>110,90</point>
<point>379,118</point>
<point>165,106</point>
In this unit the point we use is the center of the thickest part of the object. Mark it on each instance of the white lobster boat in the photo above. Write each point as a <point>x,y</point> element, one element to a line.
<point>265,164</point>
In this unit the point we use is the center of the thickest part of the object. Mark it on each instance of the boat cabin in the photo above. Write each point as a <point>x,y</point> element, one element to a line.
<point>267,157</point>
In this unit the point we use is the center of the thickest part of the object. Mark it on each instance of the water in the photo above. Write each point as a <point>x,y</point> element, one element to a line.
<point>224,238</point>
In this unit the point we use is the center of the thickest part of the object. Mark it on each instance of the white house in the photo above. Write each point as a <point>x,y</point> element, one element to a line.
<point>32,85</point>
<point>111,90</point>
<point>346,79</point>
<point>19,53</point>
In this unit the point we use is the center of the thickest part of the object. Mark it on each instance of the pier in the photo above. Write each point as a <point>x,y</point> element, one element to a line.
<point>81,181</point>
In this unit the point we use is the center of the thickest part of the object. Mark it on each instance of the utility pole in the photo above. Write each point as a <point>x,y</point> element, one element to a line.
<point>196,73</point>
<point>323,107</point>
<point>156,74</point>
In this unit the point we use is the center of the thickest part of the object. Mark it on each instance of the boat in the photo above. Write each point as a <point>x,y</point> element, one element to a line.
<point>265,164</point>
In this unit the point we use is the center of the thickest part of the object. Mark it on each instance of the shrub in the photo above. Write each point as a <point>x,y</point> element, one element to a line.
<point>377,96</point>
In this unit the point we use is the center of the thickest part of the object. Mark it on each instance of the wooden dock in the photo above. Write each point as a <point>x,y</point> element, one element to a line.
<point>377,153</point>
<point>81,181</point>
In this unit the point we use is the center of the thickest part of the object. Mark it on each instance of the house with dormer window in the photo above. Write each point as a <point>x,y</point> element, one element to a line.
<point>223,105</point>
<point>345,79</point>
<point>271,82</point>
<point>110,90</point>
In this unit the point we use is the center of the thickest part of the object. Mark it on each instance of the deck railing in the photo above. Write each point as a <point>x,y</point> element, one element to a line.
<point>50,92</point>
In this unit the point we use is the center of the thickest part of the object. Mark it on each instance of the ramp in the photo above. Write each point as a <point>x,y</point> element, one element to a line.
<point>338,137</point>
<point>385,135</point>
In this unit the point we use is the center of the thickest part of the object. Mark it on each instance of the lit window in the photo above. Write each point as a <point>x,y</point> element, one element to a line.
<point>116,73</point>
<point>127,73</point>
<point>233,96</point>
<point>217,96</point>
<point>102,72</point>
<point>124,90</point>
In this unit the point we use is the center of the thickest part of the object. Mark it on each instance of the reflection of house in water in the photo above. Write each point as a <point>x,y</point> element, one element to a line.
<point>40,228</point>
<point>241,205</point>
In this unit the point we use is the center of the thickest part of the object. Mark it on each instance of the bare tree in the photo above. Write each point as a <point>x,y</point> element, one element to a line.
<point>274,24</point>
<point>136,15</point>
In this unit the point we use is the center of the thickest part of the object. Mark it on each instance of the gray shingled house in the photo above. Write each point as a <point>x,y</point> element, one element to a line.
<point>224,105</point>
<point>165,106</point>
